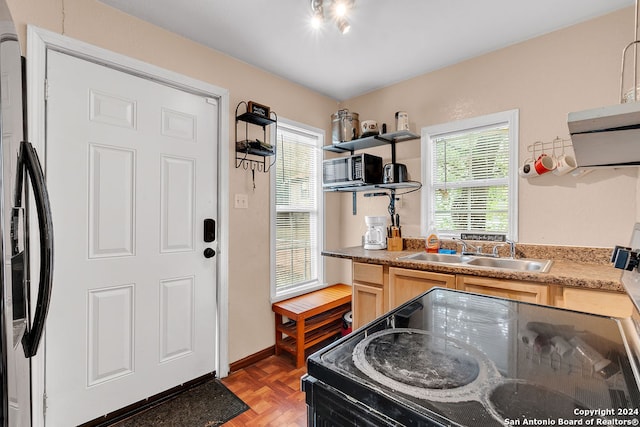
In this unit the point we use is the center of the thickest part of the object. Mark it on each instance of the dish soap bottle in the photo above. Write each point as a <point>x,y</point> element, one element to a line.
<point>432,242</point>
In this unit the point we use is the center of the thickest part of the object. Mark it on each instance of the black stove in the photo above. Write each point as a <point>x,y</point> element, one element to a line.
<point>451,358</point>
<point>456,358</point>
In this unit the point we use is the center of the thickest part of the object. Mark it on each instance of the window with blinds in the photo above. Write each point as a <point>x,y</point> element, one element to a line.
<point>297,238</point>
<point>471,175</point>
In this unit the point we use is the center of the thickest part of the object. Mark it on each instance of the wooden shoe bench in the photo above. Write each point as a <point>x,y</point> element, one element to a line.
<point>310,319</point>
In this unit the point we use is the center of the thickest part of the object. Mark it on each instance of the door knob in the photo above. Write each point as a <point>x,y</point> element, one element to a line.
<point>208,253</point>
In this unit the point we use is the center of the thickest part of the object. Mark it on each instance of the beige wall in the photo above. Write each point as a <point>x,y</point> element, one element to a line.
<point>545,78</point>
<point>250,316</point>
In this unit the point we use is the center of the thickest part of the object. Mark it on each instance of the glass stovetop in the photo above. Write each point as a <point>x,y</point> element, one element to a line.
<point>456,357</point>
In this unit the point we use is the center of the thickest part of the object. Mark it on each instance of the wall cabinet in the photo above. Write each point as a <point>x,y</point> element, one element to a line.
<point>405,284</point>
<point>369,293</point>
<point>511,289</point>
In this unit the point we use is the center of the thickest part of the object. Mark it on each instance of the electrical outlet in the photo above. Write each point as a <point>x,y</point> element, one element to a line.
<point>241,201</point>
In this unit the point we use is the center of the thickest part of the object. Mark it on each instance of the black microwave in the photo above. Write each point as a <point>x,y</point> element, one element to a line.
<point>358,169</point>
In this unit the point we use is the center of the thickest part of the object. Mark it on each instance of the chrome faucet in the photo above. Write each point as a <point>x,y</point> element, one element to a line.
<point>466,245</point>
<point>477,250</point>
<point>512,248</point>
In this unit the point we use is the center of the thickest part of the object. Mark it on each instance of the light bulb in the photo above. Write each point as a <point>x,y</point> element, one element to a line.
<point>316,20</point>
<point>343,25</point>
<point>340,9</point>
<point>318,13</point>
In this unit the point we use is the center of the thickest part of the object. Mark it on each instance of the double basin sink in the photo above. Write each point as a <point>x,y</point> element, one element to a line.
<point>522,264</point>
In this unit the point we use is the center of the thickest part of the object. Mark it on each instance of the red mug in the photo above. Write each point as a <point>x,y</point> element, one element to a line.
<point>544,164</point>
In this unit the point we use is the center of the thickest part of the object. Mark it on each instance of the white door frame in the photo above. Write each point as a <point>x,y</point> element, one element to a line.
<point>38,42</point>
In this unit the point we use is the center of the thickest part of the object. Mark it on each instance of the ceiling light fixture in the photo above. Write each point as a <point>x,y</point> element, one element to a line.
<point>318,13</point>
<point>337,9</point>
<point>343,25</point>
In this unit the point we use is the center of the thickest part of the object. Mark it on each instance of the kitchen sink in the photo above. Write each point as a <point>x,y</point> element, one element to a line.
<point>537,265</point>
<point>432,257</point>
<point>522,264</point>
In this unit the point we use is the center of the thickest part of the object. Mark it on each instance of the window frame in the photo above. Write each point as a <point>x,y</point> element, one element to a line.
<point>430,133</point>
<point>319,281</point>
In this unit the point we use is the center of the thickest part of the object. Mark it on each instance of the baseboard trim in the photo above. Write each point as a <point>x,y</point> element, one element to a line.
<point>252,358</point>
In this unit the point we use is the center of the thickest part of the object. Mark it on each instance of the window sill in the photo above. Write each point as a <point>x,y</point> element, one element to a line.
<point>300,290</point>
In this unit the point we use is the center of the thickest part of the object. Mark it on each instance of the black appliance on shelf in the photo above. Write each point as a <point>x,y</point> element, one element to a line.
<point>455,358</point>
<point>352,171</point>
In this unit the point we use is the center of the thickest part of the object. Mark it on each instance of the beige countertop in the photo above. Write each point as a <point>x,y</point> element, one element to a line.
<point>564,272</point>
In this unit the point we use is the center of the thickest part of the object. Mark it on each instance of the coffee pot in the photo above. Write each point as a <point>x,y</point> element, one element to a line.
<point>376,235</point>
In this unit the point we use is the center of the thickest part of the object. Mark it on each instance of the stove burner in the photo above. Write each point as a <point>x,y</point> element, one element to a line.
<point>422,360</point>
<point>424,365</point>
<point>524,400</point>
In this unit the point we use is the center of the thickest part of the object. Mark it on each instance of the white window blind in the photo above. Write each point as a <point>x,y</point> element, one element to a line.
<point>471,176</point>
<point>298,227</point>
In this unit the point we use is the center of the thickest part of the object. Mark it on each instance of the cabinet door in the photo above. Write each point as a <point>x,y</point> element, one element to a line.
<point>511,289</point>
<point>367,305</point>
<point>596,302</point>
<point>405,284</point>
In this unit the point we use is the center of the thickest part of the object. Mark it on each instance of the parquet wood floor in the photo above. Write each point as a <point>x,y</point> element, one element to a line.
<point>271,388</point>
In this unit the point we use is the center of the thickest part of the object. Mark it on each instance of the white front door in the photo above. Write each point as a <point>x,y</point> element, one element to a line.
<point>131,170</point>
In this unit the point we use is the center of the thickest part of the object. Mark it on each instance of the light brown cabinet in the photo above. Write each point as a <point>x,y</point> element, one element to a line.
<point>369,293</point>
<point>511,289</point>
<point>405,284</point>
<point>594,301</point>
<point>367,304</point>
<point>378,289</point>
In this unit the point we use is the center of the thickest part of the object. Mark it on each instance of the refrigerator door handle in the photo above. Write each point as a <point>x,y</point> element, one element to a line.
<point>31,339</point>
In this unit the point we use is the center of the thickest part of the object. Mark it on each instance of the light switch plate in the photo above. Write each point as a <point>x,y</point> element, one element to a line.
<point>241,201</point>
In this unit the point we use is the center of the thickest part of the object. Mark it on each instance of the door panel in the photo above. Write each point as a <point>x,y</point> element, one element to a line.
<point>131,168</point>
<point>177,213</point>
<point>176,318</point>
<point>111,201</point>
<point>110,337</point>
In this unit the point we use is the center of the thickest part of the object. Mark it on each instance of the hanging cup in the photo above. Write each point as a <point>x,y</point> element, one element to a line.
<point>528,169</point>
<point>564,164</point>
<point>544,164</point>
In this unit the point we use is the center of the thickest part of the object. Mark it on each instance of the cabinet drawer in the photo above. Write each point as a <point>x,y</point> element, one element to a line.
<point>405,284</point>
<point>370,273</point>
<point>596,302</point>
<point>511,289</point>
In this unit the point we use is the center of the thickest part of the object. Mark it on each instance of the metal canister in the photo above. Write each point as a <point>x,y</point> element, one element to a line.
<point>345,126</point>
<point>402,121</point>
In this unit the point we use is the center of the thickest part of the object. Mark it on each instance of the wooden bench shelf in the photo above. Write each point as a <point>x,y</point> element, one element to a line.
<point>312,319</point>
<point>312,338</point>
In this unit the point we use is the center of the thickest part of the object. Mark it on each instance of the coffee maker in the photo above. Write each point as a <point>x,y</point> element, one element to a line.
<point>376,235</point>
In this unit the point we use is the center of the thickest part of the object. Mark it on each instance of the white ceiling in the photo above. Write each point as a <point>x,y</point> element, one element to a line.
<point>389,41</point>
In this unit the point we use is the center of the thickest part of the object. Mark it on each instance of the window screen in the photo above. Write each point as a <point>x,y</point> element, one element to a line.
<point>298,227</point>
<point>471,176</point>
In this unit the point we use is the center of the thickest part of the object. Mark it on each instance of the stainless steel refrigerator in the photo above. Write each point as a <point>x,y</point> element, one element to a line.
<point>25,279</point>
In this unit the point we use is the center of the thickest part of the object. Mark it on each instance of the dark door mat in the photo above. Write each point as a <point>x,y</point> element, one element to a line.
<point>206,405</point>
